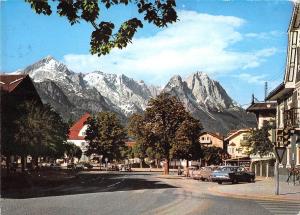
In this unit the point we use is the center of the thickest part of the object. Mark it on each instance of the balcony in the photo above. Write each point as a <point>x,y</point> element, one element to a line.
<point>207,142</point>
<point>292,118</point>
<point>244,143</point>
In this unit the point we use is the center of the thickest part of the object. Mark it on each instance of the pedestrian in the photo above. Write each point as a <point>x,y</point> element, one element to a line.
<point>179,171</point>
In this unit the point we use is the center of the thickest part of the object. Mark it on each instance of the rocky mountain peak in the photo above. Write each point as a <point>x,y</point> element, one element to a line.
<point>75,93</point>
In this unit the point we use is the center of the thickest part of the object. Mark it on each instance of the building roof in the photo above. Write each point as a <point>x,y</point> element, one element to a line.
<point>262,106</point>
<point>235,133</point>
<point>295,19</point>
<point>212,134</point>
<point>10,82</point>
<point>75,129</point>
<point>279,92</point>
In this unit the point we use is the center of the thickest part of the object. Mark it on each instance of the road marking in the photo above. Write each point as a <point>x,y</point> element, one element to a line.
<point>114,184</point>
<point>159,191</point>
<point>280,208</point>
<point>139,191</point>
<point>178,192</point>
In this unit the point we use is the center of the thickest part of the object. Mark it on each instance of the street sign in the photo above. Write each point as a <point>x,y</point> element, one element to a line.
<point>106,159</point>
<point>279,151</point>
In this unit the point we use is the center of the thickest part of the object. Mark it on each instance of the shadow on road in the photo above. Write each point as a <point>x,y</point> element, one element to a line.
<point>85,183</point>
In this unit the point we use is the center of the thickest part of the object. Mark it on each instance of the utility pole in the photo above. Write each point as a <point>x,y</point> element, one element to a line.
<point>266,90</point>
<point>276,177</point>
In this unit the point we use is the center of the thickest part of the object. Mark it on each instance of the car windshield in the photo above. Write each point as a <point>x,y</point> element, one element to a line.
<point>227,169</point>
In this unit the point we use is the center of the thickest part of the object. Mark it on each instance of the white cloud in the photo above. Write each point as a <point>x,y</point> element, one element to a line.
<point>265,35</point>
<point>258,79</point>
<point>198,42</point>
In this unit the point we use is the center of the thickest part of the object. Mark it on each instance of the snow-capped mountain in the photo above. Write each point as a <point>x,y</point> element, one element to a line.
<point>72,94</point>
<point>208,101</point>
<point>90,92</point>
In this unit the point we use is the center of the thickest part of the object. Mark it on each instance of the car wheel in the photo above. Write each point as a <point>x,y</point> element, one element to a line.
<point>219,182</point>
<point>235,181</point>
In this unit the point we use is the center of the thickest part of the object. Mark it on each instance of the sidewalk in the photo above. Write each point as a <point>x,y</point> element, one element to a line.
<point>261,189</point>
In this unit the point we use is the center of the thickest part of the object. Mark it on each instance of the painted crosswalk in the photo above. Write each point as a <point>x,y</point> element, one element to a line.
<point>281,208</point>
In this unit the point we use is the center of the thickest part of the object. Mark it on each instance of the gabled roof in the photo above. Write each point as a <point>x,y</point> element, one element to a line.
<point>235,133</point>
<point>212,134</point>
<point>75,129</point>
<point>279,92</point>
<point>262,106</point>
<point>9,82</point>
<point>295,19</point>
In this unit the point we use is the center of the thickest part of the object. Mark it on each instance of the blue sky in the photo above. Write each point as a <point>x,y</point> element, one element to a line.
<point>241,44</point>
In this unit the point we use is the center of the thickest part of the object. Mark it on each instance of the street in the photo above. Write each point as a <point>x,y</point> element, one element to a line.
<point>136,193</point>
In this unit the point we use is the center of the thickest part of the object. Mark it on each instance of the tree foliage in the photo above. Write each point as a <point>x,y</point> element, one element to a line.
<point>40,131</point>
<point>105,136</point>
<point>73,151</point>
<point>214,155</point>
<point>259,140</point>
<point>104,38</point>
<point>166,130</point>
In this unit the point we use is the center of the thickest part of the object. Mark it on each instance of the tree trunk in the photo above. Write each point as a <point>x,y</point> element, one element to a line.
<point>34,161</point>
<point>187,168</point>
<point>166,166</point>
<point>8,165</point>
<point>141,163</point>
<point>23,162</point>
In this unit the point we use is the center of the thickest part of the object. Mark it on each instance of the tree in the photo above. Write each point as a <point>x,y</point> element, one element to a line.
<point>214,155</point>
<point>73,151</point>
<point>259,140</point>
<point>163,117</point>
<point>40,131</point>
<point>186,145</point>
<point>136,129</point>
<point>104,38</point>
<point>105,136</point>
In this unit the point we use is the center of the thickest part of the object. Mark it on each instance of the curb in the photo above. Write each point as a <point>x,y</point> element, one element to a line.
<point>253,197</point>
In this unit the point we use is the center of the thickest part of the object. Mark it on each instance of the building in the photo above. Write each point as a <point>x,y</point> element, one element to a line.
<point>15,90</point>
<point>238,147</point>
<point>210,139</point>
<point>77,135</point>
<point>264,112</point>
<point>287,96</point>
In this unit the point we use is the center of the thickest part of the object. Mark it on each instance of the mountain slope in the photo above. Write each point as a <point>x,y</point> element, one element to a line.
<point>207,101</point>
<point>73,94</point>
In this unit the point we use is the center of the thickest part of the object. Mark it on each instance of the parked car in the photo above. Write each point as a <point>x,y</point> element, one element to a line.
<point>234,174</point>
<point>191,169</point>
<point>124,168</point>
<point>71,166</point>
<point>55,166</point>
<point>83,166</point>
<point>87,166</point>
<point>204,173</point>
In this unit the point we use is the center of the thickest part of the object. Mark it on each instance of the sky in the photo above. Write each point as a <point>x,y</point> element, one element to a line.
<point>242,44</point>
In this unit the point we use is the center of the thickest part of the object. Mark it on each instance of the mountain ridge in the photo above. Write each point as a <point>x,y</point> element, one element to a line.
<point>72,94</point>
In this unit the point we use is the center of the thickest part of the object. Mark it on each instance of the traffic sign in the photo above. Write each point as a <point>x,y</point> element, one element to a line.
<point>106,159</point>
<point>279,152</point>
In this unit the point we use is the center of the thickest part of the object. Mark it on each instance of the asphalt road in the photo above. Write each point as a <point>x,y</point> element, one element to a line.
<point>136,193</point>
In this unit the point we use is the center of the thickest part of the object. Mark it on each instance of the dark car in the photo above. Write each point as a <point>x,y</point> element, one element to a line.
<point>234,174</point>
<point>71,166</point>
